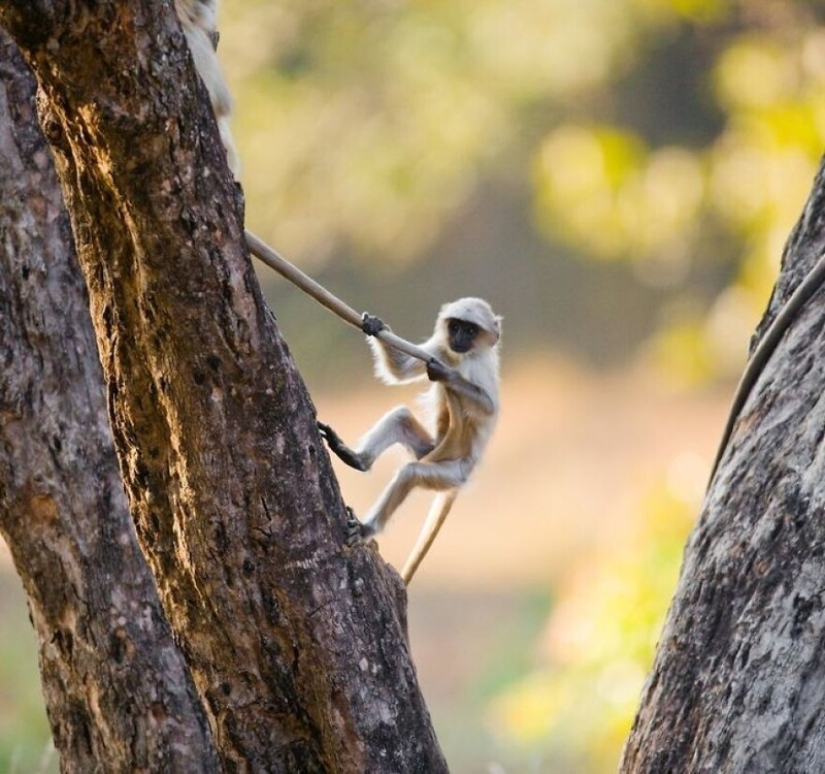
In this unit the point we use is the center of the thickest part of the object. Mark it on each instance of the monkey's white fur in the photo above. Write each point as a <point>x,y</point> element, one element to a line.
<point>478,367</point>
<point>464,404</point>
<point>198,19</point>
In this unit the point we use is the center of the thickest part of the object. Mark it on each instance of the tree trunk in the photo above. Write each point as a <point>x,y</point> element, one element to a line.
<point>295,642</point>
<point>739,676</point>
<point>104,643</point>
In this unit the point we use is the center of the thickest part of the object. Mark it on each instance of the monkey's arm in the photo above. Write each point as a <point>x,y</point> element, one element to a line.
<point>393,366</point>
<point>479,398</point>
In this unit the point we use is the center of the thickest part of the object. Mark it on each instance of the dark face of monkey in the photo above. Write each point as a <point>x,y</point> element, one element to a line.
<point>462,335</point>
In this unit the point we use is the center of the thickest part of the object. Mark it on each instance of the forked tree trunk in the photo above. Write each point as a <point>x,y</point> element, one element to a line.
<point>117,691</point>
<point>738,683</point>
<point>295,642</point>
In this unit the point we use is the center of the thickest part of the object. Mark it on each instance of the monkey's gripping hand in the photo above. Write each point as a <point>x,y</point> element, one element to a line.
<point>437,371</point>
<point>372,325</point>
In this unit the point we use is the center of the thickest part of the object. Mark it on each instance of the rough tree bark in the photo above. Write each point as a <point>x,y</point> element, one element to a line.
<point>104,642</point>
<point>295,642</point>
<point>739,676</point>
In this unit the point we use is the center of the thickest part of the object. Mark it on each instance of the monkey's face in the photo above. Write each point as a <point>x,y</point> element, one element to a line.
<point>461,335</point>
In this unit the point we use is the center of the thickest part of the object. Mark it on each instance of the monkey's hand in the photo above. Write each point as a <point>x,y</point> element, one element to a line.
<point>372,325</point>
<point>437,371</point>
<point>342,451</point>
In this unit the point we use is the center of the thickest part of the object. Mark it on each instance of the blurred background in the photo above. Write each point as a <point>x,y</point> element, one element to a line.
<point>617,177</point>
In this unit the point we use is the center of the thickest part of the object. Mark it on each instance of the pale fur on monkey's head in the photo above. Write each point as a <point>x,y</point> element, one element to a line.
<point>476,311</point>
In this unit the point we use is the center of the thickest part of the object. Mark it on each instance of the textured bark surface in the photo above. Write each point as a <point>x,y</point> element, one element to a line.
<point>739,675</point>
<point>118,695</point>
<point>295,642</point>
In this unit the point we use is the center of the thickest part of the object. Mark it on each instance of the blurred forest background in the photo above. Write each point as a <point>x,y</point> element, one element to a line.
<point>618,178</point>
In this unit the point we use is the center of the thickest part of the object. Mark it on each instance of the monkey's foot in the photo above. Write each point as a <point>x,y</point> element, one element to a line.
<point>354,535</point>
<point>342,451</point>
<point>353,529</point>
<point>357,531</point>
<point>372,325</point>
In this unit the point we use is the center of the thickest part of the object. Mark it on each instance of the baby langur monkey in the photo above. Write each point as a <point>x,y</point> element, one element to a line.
<point>463,401</point>
<point>463,365</point>
<point>198,19</point>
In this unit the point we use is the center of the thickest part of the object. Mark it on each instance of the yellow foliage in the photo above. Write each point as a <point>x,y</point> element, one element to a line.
<point>753,73</point>
<point>600,638</point>
<point>683,352</point>
<point>607,192</point>
<point>702,11</point>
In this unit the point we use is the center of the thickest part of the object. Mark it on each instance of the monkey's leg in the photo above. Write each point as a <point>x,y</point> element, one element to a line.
<point>397,426</point>
<point>439,476</point>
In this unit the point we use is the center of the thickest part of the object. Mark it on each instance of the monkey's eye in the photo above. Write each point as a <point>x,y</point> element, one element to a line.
<point>468,329</point>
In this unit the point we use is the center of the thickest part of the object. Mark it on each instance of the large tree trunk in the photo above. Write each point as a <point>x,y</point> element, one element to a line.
<point>118,694</point>
<point>739,676</point>
<point>295,642</point>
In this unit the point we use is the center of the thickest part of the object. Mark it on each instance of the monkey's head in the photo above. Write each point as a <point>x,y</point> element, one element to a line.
<point>469,323</point>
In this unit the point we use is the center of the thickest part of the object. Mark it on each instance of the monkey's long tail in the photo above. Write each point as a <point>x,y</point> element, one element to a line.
<point>435,519</point>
